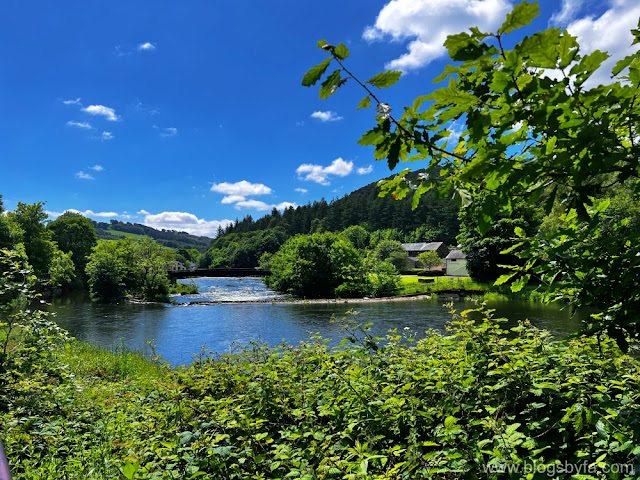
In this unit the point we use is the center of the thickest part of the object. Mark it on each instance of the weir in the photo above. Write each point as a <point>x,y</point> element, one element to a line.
<point>174,275</point>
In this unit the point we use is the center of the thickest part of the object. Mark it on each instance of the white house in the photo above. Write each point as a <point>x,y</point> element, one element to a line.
<point>456,264</point>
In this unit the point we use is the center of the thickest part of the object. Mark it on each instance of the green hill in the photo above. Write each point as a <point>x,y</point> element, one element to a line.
<point>116,230</point>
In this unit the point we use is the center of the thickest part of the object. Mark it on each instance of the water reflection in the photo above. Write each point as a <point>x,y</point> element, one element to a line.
<point>182,331</point>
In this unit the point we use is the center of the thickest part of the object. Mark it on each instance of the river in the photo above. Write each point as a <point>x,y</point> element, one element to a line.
<point>182,331</point>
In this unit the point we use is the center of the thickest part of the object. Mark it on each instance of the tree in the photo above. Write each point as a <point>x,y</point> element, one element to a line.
<point>61,270</point>
<point>357,235</point>
<point>531,135</point>
<point>314,265</point>
<point>485,259</point>
<point>75,234</point>
<point>111,270</point>
<point>429,260</point>
<point>391,251</point>
<point>152,262</point>
<point>29,221</point>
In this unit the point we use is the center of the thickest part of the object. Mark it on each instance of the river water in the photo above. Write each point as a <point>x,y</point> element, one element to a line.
<point>182,331</point>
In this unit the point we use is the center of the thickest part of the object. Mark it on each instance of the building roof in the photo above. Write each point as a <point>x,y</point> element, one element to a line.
<point>422,247</point>
<point>455,255</point>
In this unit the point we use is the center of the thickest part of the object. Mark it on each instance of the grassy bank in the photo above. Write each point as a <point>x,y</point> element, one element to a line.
<point>462,405</point>
<point>411,284</point>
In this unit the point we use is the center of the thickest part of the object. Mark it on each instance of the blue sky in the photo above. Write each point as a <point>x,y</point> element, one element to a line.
<point>188,114</point>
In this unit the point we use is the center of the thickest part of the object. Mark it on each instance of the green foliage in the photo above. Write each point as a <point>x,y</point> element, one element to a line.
<point>61,270</point>
<point>123,267</point>
<point>430,260</point>
<point>29,225</point>
<point>180,288</point>
<point>357,235</point>
<point>391,251</point>
<point>485,258</point>
<point>74,234</point>
<point>467,404</point>
<point>546,140</point>
<point>313,266</point>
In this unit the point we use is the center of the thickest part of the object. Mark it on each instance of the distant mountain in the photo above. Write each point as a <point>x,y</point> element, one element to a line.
<point>116,230</point>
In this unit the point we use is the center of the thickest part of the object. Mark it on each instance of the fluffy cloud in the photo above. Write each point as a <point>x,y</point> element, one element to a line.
<point>86,213</point>
<point>83,125</point>
<point>232,199</point>
<point>107,136</point>
<point>327,116</point>
<point>301,190</point>
<point>83,175</point>
<point>242,188</point>
<point>320,174</point>
<point>427,23</point>
<point>142,212</point>
<point>101,110</point>
<point>609,32</point>
<point>185,222</point>
<point>568,12</point>
<point>262,206</point>
<point>146,47</point>
<point>365,170</point>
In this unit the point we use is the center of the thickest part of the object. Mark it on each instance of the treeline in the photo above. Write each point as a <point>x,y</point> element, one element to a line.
<point>168,238</point>
<point>242,243</point>
<point>66,254</point>
<point>437,218</point>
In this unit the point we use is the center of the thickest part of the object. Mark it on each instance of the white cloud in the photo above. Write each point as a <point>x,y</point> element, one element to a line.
<point>83,175</point>
<point>319,174</point>
<point>83,125</point>
<point>233,199</point>
<point>91,213</point>
<point>72,102</point>
<point>185,222</point>
<point>97,168</point>
<point>242,188</point>
<point>569,11</point>
<point>107,112</point>
<point>427,23</point>
<point>146,47</point>
<point>262,206</point>
<point>609,32</point>
<point>142,212</point>
<point>301,190</point>
<point>365,170</point>
<point>327,116</point>
<point>168,132</point>
<point>107,136</point>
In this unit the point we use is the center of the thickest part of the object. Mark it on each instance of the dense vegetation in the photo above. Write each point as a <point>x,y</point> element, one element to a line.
<point>468,404</point>
<point>546,139</point>
<point>242,243</point>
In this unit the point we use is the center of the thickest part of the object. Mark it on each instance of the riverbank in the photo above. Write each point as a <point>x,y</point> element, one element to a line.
<point>436,406</point>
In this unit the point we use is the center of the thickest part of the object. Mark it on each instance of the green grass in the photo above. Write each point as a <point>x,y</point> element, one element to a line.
<point>116,363</point>
<point>118,233</point>
<point>410,284</point>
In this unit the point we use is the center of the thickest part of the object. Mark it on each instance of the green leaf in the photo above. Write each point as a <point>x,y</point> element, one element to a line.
<point>521,15</point>
<point>462,196</point>
<point>542,48</point>
<point>341,51</point>
<point>449,422</point>
<point>551,144</point>
<point>384,79</point>
<point>502,279</point>
<point>520,283</point>
<point>519,231</point>
<point>321,43</point>
<point>567,49</point>
<point>315,73</point>
<point>130,469</point>
<point>587,65</point>
<point>327,86</point>
<point>364,103</point>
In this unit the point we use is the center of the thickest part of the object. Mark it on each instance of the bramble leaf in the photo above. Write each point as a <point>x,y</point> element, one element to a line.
<point>384,79</point>
<point>521,15</point>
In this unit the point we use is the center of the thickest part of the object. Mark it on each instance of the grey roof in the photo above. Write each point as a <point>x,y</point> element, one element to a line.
<point>455,254</point>
<point>421,247</point>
